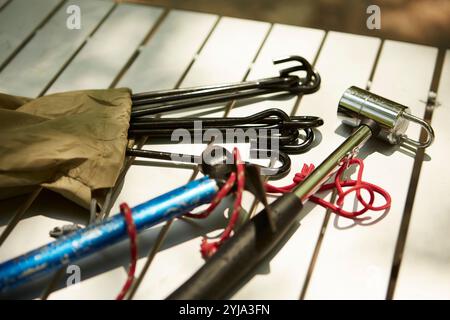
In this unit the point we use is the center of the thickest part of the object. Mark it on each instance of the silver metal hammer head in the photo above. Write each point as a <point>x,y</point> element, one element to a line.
<point>358,105</point>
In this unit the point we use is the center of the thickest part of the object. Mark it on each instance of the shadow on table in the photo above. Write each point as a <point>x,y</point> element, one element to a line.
<point>49,204</point>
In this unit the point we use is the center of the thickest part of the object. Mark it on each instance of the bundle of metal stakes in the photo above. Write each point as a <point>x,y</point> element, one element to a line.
<point>150,114</point>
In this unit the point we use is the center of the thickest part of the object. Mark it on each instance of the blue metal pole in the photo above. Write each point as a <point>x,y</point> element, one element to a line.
<point>77,245</point>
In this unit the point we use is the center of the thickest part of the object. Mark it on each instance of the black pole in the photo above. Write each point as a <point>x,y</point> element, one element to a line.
<point>236,258</point>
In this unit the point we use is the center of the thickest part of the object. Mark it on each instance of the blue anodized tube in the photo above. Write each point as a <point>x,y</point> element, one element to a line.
<point>54,255</point>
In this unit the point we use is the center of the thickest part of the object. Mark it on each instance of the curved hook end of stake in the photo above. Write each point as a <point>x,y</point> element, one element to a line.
<point>218,163</point>
<point>310,84</point>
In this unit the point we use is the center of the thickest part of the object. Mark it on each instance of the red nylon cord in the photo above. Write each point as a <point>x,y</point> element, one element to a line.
<point>353,185</point>
<point>207,249</point>
<point>132,234</point>
<point>223,192</point>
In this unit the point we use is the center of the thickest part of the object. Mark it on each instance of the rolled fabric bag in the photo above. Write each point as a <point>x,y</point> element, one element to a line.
<point>72,143</point>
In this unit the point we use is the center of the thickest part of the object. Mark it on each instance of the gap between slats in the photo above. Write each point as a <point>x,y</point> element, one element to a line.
<point>418,161</point>
<point>76,52</point>
<point>31,35</point>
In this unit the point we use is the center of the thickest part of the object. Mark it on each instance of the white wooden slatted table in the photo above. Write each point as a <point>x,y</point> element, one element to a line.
<point>148,48</point>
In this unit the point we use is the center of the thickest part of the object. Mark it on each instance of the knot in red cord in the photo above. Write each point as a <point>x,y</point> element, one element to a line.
<point>306,170</point>
<point>207,249</point>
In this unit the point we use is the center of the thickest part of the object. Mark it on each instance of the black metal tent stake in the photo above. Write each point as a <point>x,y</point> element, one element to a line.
<point>157,102</point>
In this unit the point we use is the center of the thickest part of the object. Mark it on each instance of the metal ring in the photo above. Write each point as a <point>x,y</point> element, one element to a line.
<point>424,125</point>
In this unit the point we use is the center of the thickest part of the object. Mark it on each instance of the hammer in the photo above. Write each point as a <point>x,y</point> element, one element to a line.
<point>372,116</point>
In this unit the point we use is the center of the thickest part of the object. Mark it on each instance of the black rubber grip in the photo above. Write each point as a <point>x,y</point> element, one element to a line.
<point>241,253</point>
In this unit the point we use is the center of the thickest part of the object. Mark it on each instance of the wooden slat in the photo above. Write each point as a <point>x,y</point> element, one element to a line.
<point>17,22</point>
<point>425,267</point>
<point>355,261</point>
<point>42,58</point>
<point>283,40</point>
<point>225,57</point>
<point>173,53</point>
<point>161,62</point>
<point>107,52</point>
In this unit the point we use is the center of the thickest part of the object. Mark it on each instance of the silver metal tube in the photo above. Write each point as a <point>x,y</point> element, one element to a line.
<point>357,105</point>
